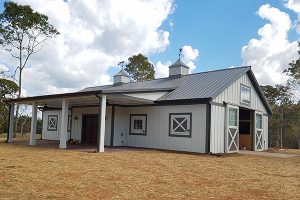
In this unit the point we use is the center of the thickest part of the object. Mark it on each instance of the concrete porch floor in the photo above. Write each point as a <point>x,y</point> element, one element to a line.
<point>52,144</point>
<point>269,154</point>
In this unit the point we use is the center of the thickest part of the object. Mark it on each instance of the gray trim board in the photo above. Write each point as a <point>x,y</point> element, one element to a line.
<point>208,124</point>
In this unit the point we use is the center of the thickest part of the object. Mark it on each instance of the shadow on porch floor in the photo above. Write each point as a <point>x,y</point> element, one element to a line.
<point>90,148</point>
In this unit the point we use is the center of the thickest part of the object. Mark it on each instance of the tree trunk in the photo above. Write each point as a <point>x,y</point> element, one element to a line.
<point>19,95</point>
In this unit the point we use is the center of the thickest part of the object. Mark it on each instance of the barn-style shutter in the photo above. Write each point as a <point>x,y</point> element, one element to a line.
<point>232,129</point>
<point>258,132</point>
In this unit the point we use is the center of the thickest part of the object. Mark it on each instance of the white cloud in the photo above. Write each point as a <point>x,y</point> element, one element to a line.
<point>270,54</point>
<point>95,36</point>
<point>294,5</point>
<point>162,69</point>
<point>189,56</point>
<point>3,68</point>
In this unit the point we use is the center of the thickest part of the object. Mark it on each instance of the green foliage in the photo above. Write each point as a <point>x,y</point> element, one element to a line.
<point>284,126</point>
<point>8,88</point>
<point>18,21</point>
<point>139,68</point>
<point>22,31</point>
<point>294,69</point>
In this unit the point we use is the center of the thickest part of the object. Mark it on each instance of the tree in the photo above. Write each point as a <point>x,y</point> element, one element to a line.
<point>22,32</point>
<point>279,98</point>
<point>294,69</point>
<point>8,88</point>
<point>139,68</point>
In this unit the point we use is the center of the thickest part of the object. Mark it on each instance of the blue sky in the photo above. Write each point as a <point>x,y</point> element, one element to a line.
<point>217,28</point>
<point>96,35</point>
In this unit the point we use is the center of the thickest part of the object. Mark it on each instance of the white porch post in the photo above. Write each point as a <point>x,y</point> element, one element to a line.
<point>33,124</point>
<point>64,125</point>
<point>11,123</point>
<point>102,112</point>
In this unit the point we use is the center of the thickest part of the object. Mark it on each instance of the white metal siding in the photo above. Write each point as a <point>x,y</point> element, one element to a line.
<point>158,128</point>
<point>77,123</point>
<point>217,129</point>
<point>52,135</point>
<point>232,95</point>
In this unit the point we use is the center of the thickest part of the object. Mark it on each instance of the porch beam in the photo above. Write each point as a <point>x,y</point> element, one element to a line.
<point>101,130</point>
<point>10,133</point>
<point>64,125</point>
<point>33,124</point>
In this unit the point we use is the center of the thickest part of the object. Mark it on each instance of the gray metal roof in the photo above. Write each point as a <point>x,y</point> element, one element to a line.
<point>192,86</point>
<point>178,63</point>
<point>204,85</point>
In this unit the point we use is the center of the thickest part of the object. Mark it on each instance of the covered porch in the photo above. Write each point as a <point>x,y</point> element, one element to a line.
<point>69,101</point>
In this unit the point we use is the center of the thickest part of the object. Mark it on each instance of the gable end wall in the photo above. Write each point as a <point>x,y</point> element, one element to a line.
<point>218,112</point>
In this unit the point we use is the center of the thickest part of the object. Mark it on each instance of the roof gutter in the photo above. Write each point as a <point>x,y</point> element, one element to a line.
<point>53,96</point>
<point>185,101</point>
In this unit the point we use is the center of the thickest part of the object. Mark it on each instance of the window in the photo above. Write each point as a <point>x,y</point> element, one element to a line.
<point>258,121</point>
<point>232,121</point>
<point>52,122</point>
<point>245,94</point>
<point>138,124</point>
<point>180,124</point>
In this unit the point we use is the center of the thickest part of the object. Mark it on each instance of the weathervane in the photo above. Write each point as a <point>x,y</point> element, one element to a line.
<point>180,53</point>
<point>121,64</point>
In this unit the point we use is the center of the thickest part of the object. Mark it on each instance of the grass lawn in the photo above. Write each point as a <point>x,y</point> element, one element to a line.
<point>40,173</point>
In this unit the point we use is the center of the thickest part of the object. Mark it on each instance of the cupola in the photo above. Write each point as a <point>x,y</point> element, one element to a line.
<point>121,77</point>
<point>178,69</point>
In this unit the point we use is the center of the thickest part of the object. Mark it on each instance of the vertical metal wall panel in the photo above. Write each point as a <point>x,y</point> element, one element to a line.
<point>217,133</point>
<point>77,122</point>
<point>232,94</point>
<point>51,135</point>
<point>121,127</point>
<point>158,128</point>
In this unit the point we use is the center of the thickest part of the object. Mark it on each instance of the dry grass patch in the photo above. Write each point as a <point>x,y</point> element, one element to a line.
<point>39,173</point>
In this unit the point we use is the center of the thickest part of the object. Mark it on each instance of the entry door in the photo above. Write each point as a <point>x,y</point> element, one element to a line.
<point>258,132</point>
<point>232,129</point>
<point>89,129</point>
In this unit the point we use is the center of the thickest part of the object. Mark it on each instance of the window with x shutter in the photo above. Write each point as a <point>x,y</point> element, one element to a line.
<point>180,124</point>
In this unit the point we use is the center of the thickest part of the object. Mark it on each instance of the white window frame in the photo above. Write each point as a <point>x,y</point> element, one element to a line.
<point>172,120</point>
<point>132,130</point>
<point>242,98</point>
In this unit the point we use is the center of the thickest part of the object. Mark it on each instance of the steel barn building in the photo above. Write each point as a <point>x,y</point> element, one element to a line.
<point>217,111</point>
